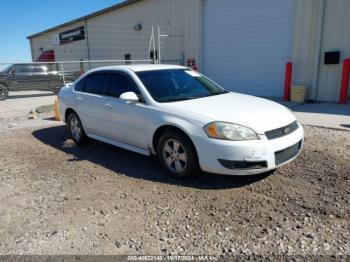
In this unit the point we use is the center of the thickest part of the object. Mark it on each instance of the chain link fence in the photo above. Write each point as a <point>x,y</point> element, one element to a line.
<point>47,78</point>
<point>103,44</point>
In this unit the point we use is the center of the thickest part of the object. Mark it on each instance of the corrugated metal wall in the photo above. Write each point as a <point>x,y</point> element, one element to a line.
<point>321,26</point>
<point>112,35</point>
<point>307,42</point>
<point>180,18</point>
<point>335,37</point>
<point>247,43</point>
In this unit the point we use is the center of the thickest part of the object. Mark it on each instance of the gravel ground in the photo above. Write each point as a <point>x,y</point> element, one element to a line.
<point>57,198</point>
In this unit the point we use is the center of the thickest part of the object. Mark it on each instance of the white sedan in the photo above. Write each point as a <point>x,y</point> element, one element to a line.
<point>187,120</point>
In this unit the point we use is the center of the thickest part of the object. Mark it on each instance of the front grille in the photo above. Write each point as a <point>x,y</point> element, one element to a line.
<point>287,154</point>
<point>282,131</point>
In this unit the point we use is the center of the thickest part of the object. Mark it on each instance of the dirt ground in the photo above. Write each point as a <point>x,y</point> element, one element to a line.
<point>57,198</point>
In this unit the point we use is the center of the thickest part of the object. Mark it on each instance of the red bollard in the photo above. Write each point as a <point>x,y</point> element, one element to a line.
<point>288,81</point>
<point>343,97</point>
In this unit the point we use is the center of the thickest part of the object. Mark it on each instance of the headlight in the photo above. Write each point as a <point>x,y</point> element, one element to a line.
<point>228,131</point>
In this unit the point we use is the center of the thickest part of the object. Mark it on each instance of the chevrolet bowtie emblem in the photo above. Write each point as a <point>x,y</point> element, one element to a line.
<point>286,130</point>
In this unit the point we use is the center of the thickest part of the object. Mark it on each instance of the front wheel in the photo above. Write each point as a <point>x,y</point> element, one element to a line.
<point>76,128</point>
<point>4,93</point>
<point>177,155</point>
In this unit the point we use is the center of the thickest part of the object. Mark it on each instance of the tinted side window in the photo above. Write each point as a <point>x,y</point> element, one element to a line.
<point>36,69</point>
<point>79,86</point>
<point>120,84</point>
<point>29,69</point>
<point>22,69</point>
<point>97,84</point>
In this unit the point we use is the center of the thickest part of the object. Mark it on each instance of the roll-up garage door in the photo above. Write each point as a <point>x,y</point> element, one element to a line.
<point>247,44</point>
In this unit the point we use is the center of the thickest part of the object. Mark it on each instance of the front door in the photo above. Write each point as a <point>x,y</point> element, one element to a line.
<point>129,120</point>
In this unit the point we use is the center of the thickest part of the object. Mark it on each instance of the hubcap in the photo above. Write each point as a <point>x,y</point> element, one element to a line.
<point>175,155</point>
<point>75,128</point>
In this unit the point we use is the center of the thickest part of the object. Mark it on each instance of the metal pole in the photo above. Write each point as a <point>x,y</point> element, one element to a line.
<point>288,81</point>
<point>155,56</point>
<point>87,41</point>
<point>318,47</point>
<point>63,77</point>
<point>150,45</point>
<point>343,97</point>
<point>72,62</point>
<point>159,56</point>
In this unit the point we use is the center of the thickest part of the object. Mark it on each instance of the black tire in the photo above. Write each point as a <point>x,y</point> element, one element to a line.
<point>4,92</point>
<point>74,124</point>
<point>190,168</point>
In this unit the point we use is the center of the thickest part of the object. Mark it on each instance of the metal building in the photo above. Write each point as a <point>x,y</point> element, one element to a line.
<point>243,45</point>
<point>124,31</point>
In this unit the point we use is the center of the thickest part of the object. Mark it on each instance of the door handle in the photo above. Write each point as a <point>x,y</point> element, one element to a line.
<point>79,98</point>
<point>109,105</point>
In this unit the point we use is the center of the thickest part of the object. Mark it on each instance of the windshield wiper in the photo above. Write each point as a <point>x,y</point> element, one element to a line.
<point>175,99</point>
<point>219,93</point>
<point>180,99</point>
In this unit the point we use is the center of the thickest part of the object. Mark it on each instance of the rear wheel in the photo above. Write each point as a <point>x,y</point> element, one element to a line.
<point>76,128</point>
<point>177,155</point>
<point>4,92</point>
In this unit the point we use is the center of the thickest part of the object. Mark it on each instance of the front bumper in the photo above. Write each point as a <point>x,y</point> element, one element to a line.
<point>210,151</point>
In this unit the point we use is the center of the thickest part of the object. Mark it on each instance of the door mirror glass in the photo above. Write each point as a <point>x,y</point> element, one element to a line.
<point>129,96</point>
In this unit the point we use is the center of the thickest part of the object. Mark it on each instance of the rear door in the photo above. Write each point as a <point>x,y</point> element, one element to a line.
<point>92,104</point>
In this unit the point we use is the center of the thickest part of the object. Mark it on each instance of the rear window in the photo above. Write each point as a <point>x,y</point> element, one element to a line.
<point>29,69</point>
<point>97,84</point>
<point>79,86</point>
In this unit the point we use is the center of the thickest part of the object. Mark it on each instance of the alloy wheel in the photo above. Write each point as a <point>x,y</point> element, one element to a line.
<point>175,156</point>
<point>75,128</point>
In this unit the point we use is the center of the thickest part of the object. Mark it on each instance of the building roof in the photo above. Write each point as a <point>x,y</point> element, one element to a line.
<point>80,19</point>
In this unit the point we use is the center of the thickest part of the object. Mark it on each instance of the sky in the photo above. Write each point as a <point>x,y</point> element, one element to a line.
<point>21,18</point>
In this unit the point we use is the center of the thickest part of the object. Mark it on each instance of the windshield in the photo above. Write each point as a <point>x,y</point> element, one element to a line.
<point>7,69</point>
<point>178,84</point>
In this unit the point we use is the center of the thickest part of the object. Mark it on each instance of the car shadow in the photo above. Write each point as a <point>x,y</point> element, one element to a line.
<point>133,165</point>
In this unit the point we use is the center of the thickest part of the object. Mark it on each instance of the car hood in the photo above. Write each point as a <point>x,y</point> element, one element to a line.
<point>257,113</point>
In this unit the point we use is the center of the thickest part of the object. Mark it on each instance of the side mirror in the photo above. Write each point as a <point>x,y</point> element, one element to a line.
<point>129,96</point>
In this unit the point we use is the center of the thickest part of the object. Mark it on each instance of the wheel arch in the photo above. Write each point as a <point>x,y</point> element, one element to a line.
<point>68,111</point>
<point>166,128</point>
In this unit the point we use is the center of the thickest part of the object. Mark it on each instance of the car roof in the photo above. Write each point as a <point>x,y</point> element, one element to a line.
<point>139,68</point>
